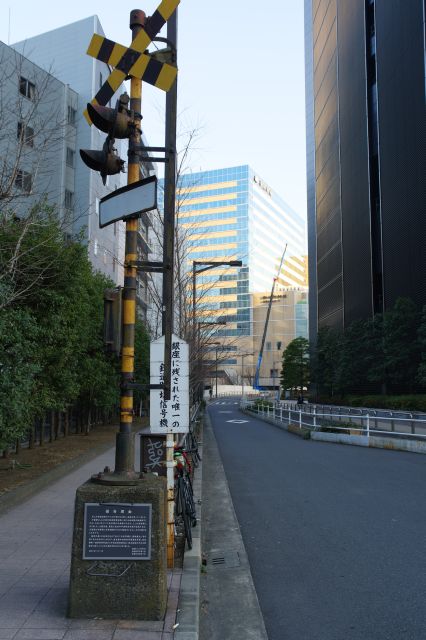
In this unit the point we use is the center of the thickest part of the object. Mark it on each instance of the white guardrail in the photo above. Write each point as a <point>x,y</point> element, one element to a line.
<point>370,423</point>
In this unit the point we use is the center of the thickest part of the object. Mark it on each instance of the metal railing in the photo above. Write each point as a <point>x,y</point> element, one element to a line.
<point>316,419</point>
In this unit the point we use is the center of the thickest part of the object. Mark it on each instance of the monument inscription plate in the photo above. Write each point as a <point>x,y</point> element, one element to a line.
<point>117,531</point>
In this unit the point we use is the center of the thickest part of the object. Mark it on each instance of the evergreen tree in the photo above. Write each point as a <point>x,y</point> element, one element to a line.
<point>295,367</point>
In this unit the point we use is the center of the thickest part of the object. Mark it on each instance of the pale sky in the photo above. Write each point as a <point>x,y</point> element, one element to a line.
<point>241,79</point>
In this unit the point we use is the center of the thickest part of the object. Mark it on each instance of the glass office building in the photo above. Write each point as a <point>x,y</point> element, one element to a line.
<point>233,214</point>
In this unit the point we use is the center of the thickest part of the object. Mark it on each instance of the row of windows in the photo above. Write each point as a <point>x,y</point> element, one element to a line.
<point>216,175</point>
<point>215,253</point>
<point>25,134</point>
<point>205,242</point>
<point>207,216</point>
<point>203,194</point>
<point>24,181</point>
<point>217,227</point>
<point>214,203</point>
<point>278,346</point>
<point>28,89</point>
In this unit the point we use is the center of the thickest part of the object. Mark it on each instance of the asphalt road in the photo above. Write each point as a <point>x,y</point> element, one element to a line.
<point>335,535</point>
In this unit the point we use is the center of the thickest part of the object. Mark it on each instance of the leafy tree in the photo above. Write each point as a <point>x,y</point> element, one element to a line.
<point>327,360</point>
<point>421,374</point>
<point>19,349</point>
<point>295,369</point>
<point>351,370</point>
<point>401,348</point>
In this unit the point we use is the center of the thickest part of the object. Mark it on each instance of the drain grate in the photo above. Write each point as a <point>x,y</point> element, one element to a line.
<point>229,559</point>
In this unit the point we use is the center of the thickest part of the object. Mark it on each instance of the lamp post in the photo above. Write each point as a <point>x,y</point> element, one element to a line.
<point>205,266</point>
<point>243,355</point>
<point>198,359</point>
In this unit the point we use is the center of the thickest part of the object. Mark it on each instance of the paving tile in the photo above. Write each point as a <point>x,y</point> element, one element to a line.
<point>7,634</point>
<point>89,634</point>
<point>40,634</point>
<point>176,580</point>
<point>93,624</point>
<point>141,625</point>
<point>12,619</point>
<point>136,634</point>
<point>40,621</point>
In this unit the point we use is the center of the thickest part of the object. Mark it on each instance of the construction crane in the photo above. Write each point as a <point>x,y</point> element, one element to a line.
<point>265,328</point>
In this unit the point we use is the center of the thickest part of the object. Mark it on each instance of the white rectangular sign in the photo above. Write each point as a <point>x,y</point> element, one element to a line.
<point>128,201</point>
<point>170,416</point>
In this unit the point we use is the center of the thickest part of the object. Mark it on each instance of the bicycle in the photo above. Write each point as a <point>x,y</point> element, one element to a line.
<point>191,447</point>
<point>184,498</point>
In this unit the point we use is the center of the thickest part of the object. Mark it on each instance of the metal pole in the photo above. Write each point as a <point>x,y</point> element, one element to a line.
<point>169,210</point>
<point>242,376</point>
<point>124,457</point>
<point>168,258</point>
<point>216,371</point>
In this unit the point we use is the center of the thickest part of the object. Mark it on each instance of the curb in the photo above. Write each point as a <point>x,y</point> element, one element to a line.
<point>16,496</point>
<point>188,610</point>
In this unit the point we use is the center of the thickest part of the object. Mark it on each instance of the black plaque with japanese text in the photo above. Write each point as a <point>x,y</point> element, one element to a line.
<point>153,453</point>
<point>117,531</point>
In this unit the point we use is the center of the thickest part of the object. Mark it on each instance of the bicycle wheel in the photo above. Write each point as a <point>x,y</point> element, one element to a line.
<point>184,513</point>
<point>189,501</point>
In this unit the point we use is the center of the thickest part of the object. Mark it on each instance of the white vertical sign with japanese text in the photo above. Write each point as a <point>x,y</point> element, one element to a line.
<point>170,416</point>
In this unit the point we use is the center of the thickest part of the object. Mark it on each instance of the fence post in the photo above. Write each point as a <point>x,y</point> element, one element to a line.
<point>300,418</point>
<point>368,425</point>
<point>289,416</point>
<point>281,414</point>
<point>315,419</point>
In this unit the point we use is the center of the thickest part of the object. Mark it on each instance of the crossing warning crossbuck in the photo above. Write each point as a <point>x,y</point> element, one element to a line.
<point>133,61</point>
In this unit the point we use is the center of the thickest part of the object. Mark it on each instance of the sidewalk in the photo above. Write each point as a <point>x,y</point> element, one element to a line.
<point>35,552</point>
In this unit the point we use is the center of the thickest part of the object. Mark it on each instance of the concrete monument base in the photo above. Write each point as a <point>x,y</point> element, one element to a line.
<point>125,587</point>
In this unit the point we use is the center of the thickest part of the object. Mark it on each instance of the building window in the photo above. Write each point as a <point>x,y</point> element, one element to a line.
<point>69,199</point>
<point>71,115</point>
<point>279,345</point>
<point>25,134</point>
<point>70,157</point>
<point>26,88</point>
<point>269,346</point>
<point>24,181</point>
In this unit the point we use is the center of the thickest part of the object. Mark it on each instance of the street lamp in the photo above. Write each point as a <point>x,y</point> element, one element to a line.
<point>243,355</point>
<point>198,350</point>
<point>205,266</point>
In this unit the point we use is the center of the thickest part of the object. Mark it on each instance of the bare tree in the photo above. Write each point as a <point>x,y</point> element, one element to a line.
<point>33,135</point>
<point>200,335</point>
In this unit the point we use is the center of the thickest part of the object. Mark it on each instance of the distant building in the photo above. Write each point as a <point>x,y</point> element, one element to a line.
<point>366,157</point>
<point>233,214</point>
<point>62,53</point>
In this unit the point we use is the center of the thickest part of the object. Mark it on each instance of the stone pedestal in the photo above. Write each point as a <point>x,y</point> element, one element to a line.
<point>124,588</point>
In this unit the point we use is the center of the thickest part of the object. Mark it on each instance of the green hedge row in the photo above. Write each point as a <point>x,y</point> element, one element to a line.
<point>414,402</point>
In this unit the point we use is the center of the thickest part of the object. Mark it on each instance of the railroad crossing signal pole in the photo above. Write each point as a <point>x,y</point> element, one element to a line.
<point>124,457</point>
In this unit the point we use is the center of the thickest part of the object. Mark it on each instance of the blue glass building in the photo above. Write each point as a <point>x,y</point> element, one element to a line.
<point>232,214</point>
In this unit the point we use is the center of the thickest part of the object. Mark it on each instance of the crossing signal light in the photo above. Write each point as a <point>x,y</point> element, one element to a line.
<point>112,320</point>
<point>117,123</point>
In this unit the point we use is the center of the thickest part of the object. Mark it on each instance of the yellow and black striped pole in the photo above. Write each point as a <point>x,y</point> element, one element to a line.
<point>124,457</point>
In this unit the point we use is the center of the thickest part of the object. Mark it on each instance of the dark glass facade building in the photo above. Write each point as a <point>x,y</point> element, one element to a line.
<point>366,153</point>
